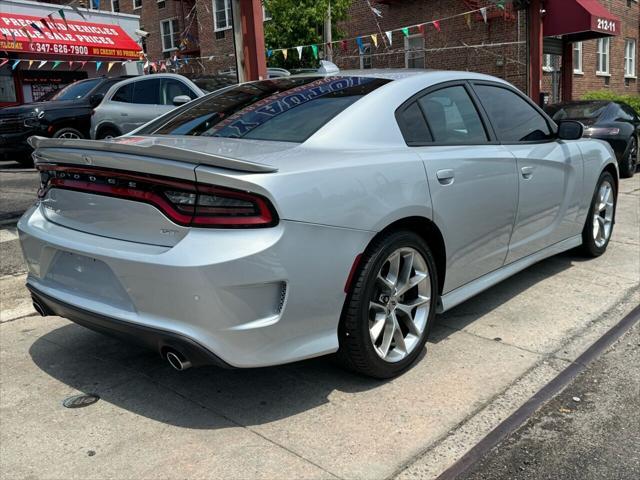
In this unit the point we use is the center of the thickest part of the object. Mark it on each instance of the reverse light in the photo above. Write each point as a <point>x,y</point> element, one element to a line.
<point>601,131</point>
<point>183,202</point>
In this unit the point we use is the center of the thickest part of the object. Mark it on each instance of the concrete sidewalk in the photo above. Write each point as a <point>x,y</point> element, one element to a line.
<point>308,420</point>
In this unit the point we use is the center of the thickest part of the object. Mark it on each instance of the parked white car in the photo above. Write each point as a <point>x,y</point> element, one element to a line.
<point>135,101</point>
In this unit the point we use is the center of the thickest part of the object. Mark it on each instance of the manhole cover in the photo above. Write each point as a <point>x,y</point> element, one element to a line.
<point>79,401</point>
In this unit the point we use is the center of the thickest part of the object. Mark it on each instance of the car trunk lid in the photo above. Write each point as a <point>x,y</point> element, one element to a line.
<point>144,189</point>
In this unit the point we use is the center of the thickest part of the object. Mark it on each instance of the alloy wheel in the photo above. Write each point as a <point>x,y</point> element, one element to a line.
<point>603,214</point>
<point>399,307</point>
<point>68,135</point>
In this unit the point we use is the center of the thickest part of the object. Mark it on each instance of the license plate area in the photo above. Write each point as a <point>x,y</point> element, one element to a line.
<point>86,277</point>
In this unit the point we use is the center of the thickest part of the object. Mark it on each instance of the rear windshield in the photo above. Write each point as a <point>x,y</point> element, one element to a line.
<point>585,110</point>
<point>285,109</point>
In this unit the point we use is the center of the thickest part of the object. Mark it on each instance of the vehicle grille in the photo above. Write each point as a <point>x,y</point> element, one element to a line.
<point>11,124</point>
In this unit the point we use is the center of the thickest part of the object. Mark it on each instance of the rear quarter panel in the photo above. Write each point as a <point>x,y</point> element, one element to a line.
<point>596,154</point>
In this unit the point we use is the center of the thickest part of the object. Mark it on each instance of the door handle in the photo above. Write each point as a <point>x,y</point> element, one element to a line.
<point>527,172</point>
<point>445,177</point>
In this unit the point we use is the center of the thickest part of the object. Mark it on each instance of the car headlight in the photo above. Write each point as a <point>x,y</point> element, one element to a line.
<point>33,119</point>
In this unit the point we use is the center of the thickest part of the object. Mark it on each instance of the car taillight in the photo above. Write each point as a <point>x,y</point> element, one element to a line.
<point>184,202</point>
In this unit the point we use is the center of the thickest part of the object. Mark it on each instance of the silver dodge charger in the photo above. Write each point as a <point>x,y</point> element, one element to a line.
<point>285,219</point>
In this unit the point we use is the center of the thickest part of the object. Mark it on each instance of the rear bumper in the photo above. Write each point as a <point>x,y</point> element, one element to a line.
<point>252,298</point>
<point>152,338</point>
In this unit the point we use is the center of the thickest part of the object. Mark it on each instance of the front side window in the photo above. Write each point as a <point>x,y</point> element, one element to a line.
<point>221,14</point>
<point>174,88</point>
<point>414,51</point>
<point>285,109</point>
<point>452,117</point>
<point>577,57</point>
<point>513,118</point>
<point>146,92</point>
<point>630,58</point>
<point>169,30</point>
<point>602,56</point>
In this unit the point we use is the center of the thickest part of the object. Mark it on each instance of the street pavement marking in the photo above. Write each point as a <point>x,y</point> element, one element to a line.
<point>8,234</point>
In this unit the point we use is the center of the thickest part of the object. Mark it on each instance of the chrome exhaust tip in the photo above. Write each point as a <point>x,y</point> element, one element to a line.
<point>177,360</point>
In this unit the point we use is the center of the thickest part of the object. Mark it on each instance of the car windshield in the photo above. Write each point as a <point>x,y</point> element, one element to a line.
<point>286,109</point>
<point>582,110</point>
<point>75,90</point>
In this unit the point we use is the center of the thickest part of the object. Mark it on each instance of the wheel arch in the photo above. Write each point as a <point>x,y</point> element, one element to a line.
<point>107,125</point>
<point>430,233</point>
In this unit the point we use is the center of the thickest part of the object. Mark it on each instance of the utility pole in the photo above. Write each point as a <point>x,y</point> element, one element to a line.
<point>328,47</point>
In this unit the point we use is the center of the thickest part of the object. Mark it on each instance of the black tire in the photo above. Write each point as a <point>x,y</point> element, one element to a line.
<point>629,163</point>
<point>589,246</point>
<point>105,133</point>
<point>68,132</point>
<point>356,351</point>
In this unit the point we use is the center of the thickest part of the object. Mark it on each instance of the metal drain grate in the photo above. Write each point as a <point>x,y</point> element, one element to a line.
<point>80,401</point>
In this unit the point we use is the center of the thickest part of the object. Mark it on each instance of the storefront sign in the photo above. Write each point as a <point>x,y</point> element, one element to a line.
<point>28,34</point>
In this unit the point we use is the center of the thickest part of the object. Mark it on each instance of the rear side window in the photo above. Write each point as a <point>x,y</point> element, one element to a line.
<point>513,118</point>
<point>123,94</point>
<point>283,109</point>
<point>413,125</point>
<point>146,92</point>
<point>452,117</point>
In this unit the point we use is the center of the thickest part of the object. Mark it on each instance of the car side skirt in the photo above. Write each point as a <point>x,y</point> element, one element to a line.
<point>460,294</point>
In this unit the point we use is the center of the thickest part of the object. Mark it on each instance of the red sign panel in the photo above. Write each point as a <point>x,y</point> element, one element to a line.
<point>18,33</point>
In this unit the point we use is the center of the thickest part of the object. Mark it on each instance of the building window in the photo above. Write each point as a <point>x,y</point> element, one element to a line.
<point>266,14</point>
<point>221,14</point>
<point>547,63</point>
<point>577,57</point>
<point>161,3</point>
<point>169,29</point>
<point>365,56</point>
<point>137,4</point>
<point>602,56</point>
<point>414,51</point>
<point>630,58</point>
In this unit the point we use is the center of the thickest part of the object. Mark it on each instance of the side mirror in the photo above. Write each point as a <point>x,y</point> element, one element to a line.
<point>95,99</point>
<point>181,100</point>
<point>570,130</point>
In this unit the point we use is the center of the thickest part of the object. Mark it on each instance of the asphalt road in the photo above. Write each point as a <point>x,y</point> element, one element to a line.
<point>591,431</point>
<point>18,187</point>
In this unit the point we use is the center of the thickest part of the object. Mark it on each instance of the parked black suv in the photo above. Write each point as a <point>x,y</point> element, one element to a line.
<point>67,114</point>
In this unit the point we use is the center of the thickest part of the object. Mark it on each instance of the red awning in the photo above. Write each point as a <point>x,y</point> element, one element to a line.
<point>579,20</point>
<point>30,35</point>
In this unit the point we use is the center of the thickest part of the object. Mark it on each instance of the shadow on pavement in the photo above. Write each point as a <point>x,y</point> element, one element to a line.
<point>142,383</point>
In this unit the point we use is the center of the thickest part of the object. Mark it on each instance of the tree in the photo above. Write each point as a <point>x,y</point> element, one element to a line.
<point>300,22</point>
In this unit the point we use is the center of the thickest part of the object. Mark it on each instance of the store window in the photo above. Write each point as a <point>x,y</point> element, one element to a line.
<point>630,58</point>
<point>414,51</point>
<point>602,56</point>
<point>7,88</point>
<point>577,57</point>
<point>222,14</point>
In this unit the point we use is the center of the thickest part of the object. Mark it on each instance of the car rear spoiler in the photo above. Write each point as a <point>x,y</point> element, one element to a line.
<point>157,150</point>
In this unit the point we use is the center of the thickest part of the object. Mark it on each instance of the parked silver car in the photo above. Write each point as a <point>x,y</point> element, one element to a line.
<point>285,219</point>
<point>135,101</point>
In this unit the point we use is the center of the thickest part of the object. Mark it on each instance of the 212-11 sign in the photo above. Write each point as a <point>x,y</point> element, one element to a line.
<point>606,25</point>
